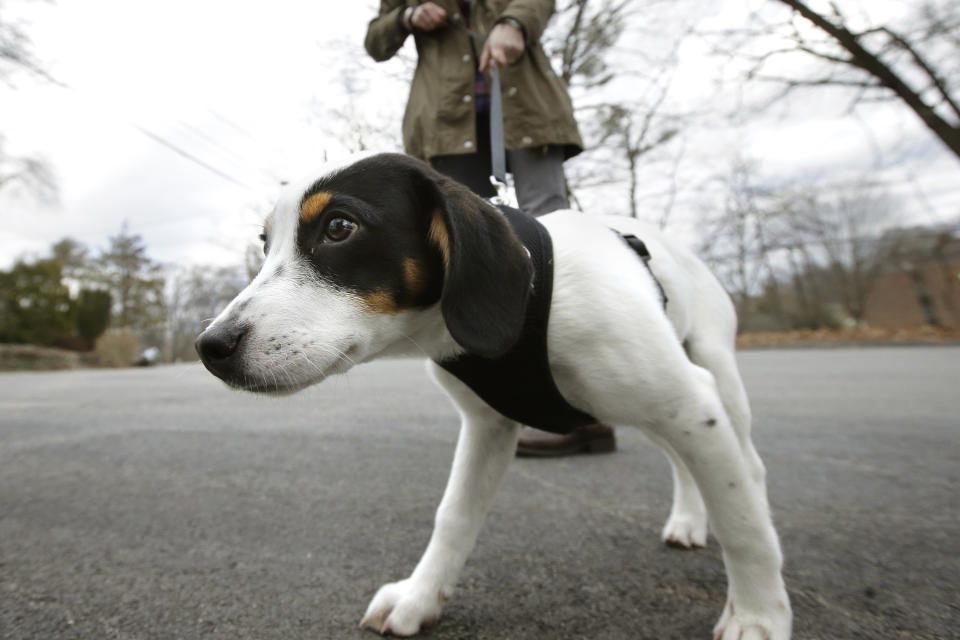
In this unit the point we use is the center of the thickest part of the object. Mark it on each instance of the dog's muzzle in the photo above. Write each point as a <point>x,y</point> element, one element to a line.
<point>220,348</point>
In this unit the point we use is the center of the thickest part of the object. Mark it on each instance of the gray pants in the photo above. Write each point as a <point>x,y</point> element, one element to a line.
<point>538,179</point>
<point>537,172</point>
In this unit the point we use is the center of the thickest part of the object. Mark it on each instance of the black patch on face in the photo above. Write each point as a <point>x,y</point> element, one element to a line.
<point>389,201</point>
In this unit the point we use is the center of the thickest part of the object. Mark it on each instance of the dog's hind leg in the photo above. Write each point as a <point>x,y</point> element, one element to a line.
<point>686,526</point>
<point>717,356</point>
<point>710,343</point>
<point>695,424</point>
<point>487,444</point>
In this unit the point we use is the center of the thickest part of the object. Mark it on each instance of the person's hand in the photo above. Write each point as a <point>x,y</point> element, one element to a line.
<point>428,16</point>
<point>504,45</point>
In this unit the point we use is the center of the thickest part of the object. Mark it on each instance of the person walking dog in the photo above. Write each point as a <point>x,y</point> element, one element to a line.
<point>447,118</point>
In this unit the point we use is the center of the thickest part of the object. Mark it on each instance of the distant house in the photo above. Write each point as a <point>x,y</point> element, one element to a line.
<point>919,284</point>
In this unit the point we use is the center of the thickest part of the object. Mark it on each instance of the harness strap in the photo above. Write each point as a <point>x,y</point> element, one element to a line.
<point>519,384</point>
<point>643,253</point>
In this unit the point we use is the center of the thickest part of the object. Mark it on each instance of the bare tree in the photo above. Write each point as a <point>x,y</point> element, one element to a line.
<point>27,174</point>
<point>634,132</point>
<point>582,37</point>
<point>621,126</point>
<point>914,62</point>
<point>794,257</point>
<point>252,260</point>
<point>736,242</point>
<point>844,229</point>
<point>194,297</point>
<point>352,120</point>
<point>15,49</point>
<point>30,174</point>
<point>349,115</point>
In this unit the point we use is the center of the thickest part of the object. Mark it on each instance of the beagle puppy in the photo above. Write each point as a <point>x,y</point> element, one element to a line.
<point>385,257</point>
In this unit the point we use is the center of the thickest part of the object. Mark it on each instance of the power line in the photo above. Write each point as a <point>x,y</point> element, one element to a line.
<point>238,128</point>
<point>164,142</point>
<point>192,158</point>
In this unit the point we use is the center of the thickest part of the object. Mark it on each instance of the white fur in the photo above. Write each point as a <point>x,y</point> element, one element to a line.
<point>613,352</point>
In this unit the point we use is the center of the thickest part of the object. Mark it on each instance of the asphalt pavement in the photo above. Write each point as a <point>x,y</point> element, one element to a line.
<point>157,504</point>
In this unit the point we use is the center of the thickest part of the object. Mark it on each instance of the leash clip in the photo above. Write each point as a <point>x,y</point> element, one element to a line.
<point>500,187</point>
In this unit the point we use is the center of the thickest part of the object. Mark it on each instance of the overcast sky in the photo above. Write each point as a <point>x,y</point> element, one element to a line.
<point>245,89</point>
<point>230,83</point>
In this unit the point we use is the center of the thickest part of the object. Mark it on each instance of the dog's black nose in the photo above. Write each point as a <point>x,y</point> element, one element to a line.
<point>218,344</point>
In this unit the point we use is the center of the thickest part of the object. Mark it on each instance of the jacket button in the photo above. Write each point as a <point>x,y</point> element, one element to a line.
<point>468,98</point>
<point>468,144</point>
<point>466,57</point>
<point>512,91</point>
<point>527,140</point>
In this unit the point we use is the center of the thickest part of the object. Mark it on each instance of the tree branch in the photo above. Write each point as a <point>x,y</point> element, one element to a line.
<point>921,62</point>
<point>871,64</point>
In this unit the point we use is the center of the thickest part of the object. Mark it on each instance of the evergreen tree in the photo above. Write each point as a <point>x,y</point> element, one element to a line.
<point>134,281</point>
<point>74,259</point>
<point>35,306</point>
<point>93,314</point>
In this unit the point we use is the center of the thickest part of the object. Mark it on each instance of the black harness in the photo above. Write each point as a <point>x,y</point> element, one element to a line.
<point>519,384</point>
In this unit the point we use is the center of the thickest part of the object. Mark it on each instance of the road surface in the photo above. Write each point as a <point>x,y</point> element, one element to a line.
<point>157,504</point>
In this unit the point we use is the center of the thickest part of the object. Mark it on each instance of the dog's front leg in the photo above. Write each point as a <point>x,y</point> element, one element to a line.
<point>487,444</point>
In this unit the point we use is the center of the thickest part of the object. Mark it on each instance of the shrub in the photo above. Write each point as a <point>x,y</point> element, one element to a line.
<point>93,314</point>
<point>117,348</point>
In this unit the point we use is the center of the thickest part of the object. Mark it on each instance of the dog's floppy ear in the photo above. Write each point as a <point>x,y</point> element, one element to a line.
<point>487,270</point>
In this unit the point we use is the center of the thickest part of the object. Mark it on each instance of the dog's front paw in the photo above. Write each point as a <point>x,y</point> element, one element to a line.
<point>402,609</point>
<point>737,624</point>
<point>685,531</point>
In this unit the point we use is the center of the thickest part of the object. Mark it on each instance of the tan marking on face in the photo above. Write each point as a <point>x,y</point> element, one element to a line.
<point>439,238</point>
<point>314,205</point>
<point>413,277</point>
<point>381,302</point>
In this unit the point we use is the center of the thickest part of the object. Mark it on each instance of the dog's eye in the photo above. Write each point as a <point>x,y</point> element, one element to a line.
<point>266,245</point>
<point>339,229</point>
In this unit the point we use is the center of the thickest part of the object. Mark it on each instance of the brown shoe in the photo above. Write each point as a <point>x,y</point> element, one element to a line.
<point>593,438</point>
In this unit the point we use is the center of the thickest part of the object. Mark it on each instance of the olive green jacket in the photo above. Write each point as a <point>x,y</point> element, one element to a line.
<point>440,118</point>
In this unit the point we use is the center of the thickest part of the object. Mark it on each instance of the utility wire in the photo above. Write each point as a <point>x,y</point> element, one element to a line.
<point>236,127</point>
<point>185,154</point>
<point>157,138</point>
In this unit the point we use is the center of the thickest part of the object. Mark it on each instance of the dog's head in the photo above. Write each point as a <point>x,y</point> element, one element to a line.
<point>359,259</point>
